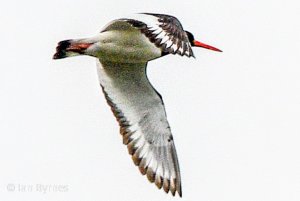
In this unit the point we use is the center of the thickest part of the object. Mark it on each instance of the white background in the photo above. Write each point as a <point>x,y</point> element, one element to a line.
<point>234,115</point>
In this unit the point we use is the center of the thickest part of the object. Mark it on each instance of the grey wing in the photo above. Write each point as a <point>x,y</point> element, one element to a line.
<point>119,24</point>
<point>143,122</point>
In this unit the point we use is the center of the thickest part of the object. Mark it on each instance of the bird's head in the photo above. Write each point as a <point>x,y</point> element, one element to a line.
<point>196,43</point>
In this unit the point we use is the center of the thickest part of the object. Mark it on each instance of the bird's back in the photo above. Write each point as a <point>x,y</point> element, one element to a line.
<point>120,41</point>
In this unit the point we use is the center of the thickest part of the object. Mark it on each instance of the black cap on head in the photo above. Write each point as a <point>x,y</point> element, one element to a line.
<point>190,37</point>
<point>195,43</point>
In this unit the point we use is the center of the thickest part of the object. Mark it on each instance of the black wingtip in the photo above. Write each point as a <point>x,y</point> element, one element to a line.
<point>180,192</point>
<point>61,49</point>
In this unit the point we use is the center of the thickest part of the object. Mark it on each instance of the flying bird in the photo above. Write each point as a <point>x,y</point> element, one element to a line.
<point>123,49</point>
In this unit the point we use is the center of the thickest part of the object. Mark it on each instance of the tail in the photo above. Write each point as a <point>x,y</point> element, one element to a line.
<point>69,48</point>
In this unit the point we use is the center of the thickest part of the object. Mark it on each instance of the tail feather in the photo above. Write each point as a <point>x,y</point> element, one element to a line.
<point>61,49</point>
<point>68,48</point>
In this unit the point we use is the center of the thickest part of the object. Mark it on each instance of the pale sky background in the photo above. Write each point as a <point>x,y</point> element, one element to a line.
<point>235,116</point>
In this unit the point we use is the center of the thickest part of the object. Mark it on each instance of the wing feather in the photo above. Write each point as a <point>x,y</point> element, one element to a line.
<point>165,31</point>
<point>140,112</point>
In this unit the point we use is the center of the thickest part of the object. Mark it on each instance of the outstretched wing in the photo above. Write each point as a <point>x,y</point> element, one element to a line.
<point>143,123</point>
<point>165,31</point>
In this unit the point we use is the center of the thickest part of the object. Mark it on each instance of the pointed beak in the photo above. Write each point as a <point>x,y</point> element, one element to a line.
<point>200,44</point>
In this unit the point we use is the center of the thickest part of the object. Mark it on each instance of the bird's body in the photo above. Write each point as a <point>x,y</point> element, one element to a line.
<point>123,49</point>
<point>131,47</point>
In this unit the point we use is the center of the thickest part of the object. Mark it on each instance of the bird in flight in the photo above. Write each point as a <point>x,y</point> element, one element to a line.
<point>123,48</point>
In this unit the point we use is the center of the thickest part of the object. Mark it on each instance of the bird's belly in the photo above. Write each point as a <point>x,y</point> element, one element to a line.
<point>127,47</point>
